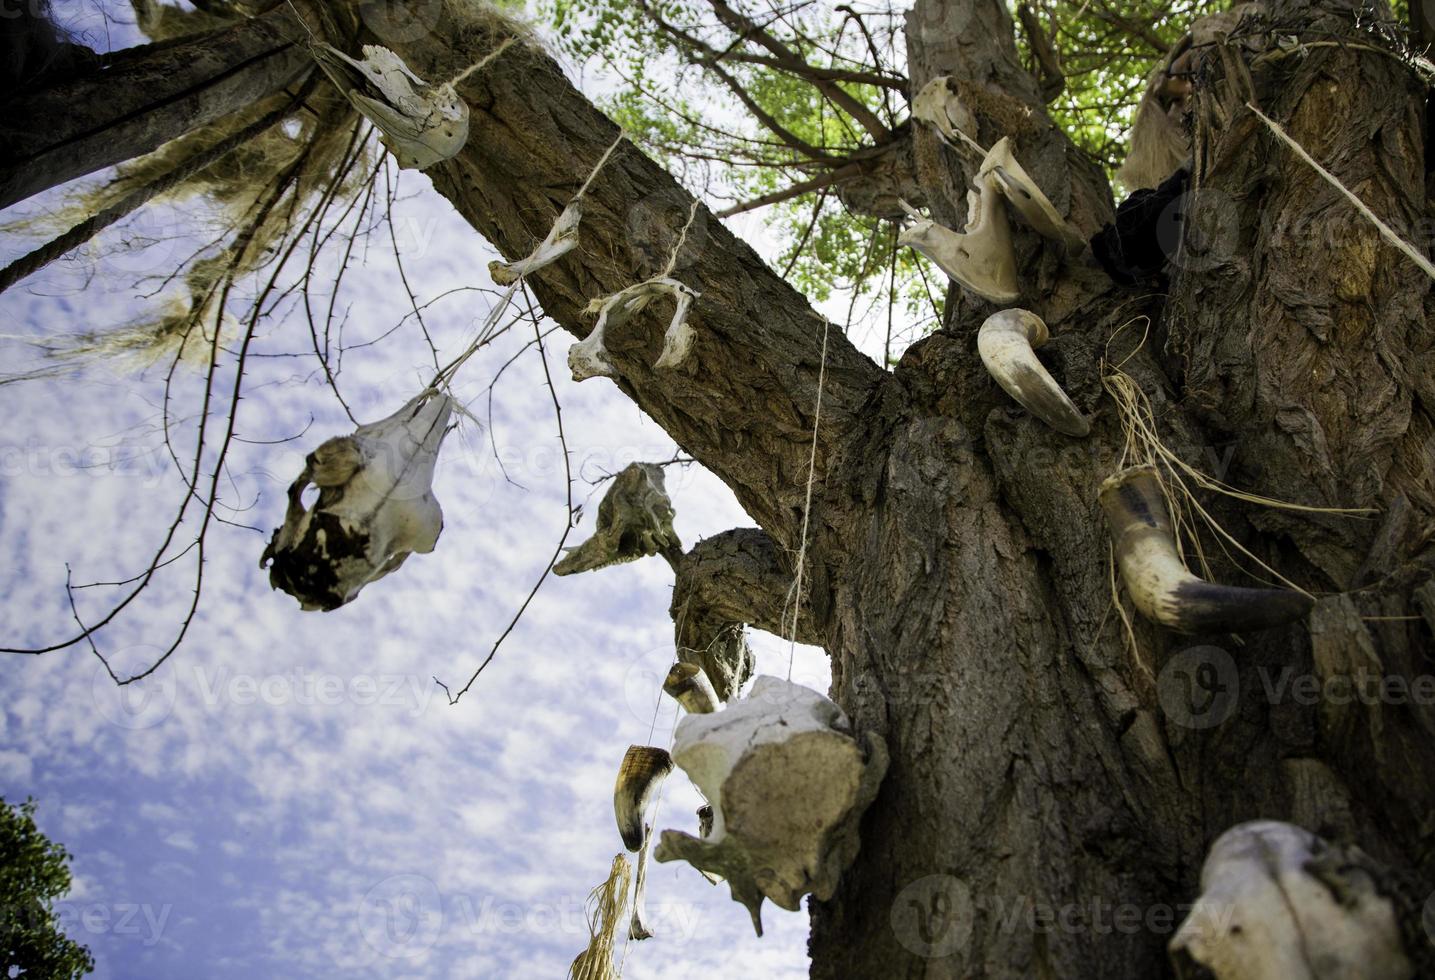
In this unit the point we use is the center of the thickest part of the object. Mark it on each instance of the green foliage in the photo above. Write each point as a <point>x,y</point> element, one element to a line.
<point>1107,48</point>
<point>34,872</point>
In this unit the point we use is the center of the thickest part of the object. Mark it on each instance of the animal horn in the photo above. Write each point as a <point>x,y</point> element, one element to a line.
<point>1006,343</point>
<point>644,768</point>
<point>689,685</point>
<point>1160,584</point>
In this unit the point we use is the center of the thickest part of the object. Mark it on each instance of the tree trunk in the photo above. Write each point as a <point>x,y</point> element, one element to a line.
<point>142,98</point>
<point>1053,787</point>
<point>1047,807</point>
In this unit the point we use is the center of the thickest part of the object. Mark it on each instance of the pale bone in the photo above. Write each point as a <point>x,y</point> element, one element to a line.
<point>375,507</point>
<point>1024,194</point>
<point>589,358</point>
<point>562,238</point>
<point>421,124</point>
<point>637,928</point>
<point>1006,342</point>
<point>635,520</point>
<point>1279,903</point>
<point>982,257</point>
<point>643,770</point>
<point>1160,584</point>
<point>788,784</point>
<point>938,106</point>
<point>1159,144</point>
<point>688,684</point>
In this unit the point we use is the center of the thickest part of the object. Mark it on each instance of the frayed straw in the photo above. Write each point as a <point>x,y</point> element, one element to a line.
<point>1144,445</point>
<point>609,903</point>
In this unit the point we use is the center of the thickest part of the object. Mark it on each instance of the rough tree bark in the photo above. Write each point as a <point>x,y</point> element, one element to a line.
<point>959,562</point>
<point>1043,787</point>
<point>140,99</point>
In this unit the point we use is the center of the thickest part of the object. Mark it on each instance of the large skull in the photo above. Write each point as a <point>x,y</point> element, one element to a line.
<point>375,507</point>
<point>787,783</point>
<point>635,520</point>
<point>421,124</point>
<point>1279,903</point>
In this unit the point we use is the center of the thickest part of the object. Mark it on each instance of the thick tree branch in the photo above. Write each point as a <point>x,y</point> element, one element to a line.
<point>139,102</point>
<point>743,401</point>
<point>725,582</point>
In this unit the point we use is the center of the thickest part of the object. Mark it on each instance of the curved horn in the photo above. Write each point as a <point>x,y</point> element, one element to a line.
<point>1006,342</point>
<point>1161,586</point>
<point>643,770</point>
<point>982,257</point>
<point>1034,207</point>
<point>689,685</point>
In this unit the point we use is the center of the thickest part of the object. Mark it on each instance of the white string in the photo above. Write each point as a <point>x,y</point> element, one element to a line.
<point>444,378</point>
<point>482,63</point>
<point>1386,231</point>
<point>794,595</point>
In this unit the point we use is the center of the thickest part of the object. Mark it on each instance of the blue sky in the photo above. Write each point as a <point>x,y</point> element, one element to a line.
<point>290,795</point>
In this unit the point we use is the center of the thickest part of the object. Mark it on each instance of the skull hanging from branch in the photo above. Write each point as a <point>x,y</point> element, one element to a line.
<point>589,358</point>
<point>635,520</point>
<point>375,507</point>
<point>788,784</point>
<point>421,124</point>
<point>1280,903</point>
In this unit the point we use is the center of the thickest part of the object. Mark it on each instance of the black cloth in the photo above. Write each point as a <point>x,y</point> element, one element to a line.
<point>1134,251</point>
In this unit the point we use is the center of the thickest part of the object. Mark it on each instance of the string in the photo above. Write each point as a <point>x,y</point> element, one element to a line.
<point>444,377</point>
<point>1386,231</point>
<point>482,63</point>
<point>794,596</point>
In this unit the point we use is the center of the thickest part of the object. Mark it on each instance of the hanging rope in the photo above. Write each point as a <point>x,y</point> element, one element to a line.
<point>1386,231</point>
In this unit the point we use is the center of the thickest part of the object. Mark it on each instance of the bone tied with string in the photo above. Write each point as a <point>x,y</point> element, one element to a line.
<point>788,783</point>
<point>421,124</point>
<point>375,507</point>
<point>982,256</point>
<point>635,520</point>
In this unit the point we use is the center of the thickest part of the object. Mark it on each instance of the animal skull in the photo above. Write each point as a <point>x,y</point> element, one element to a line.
<point>589,357</point>
<point>1280,903</point>
<point>938,106</point>
<point>635,520</point>
<point>788,784</point>
<point>982,257</point>
<point>375,507</point>
<point>421,124</point>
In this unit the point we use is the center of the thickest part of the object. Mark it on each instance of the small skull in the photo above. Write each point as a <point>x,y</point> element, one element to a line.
<point>635,520</point>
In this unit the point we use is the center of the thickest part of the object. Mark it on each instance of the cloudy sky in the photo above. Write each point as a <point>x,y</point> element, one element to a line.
<point>290,794</point>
